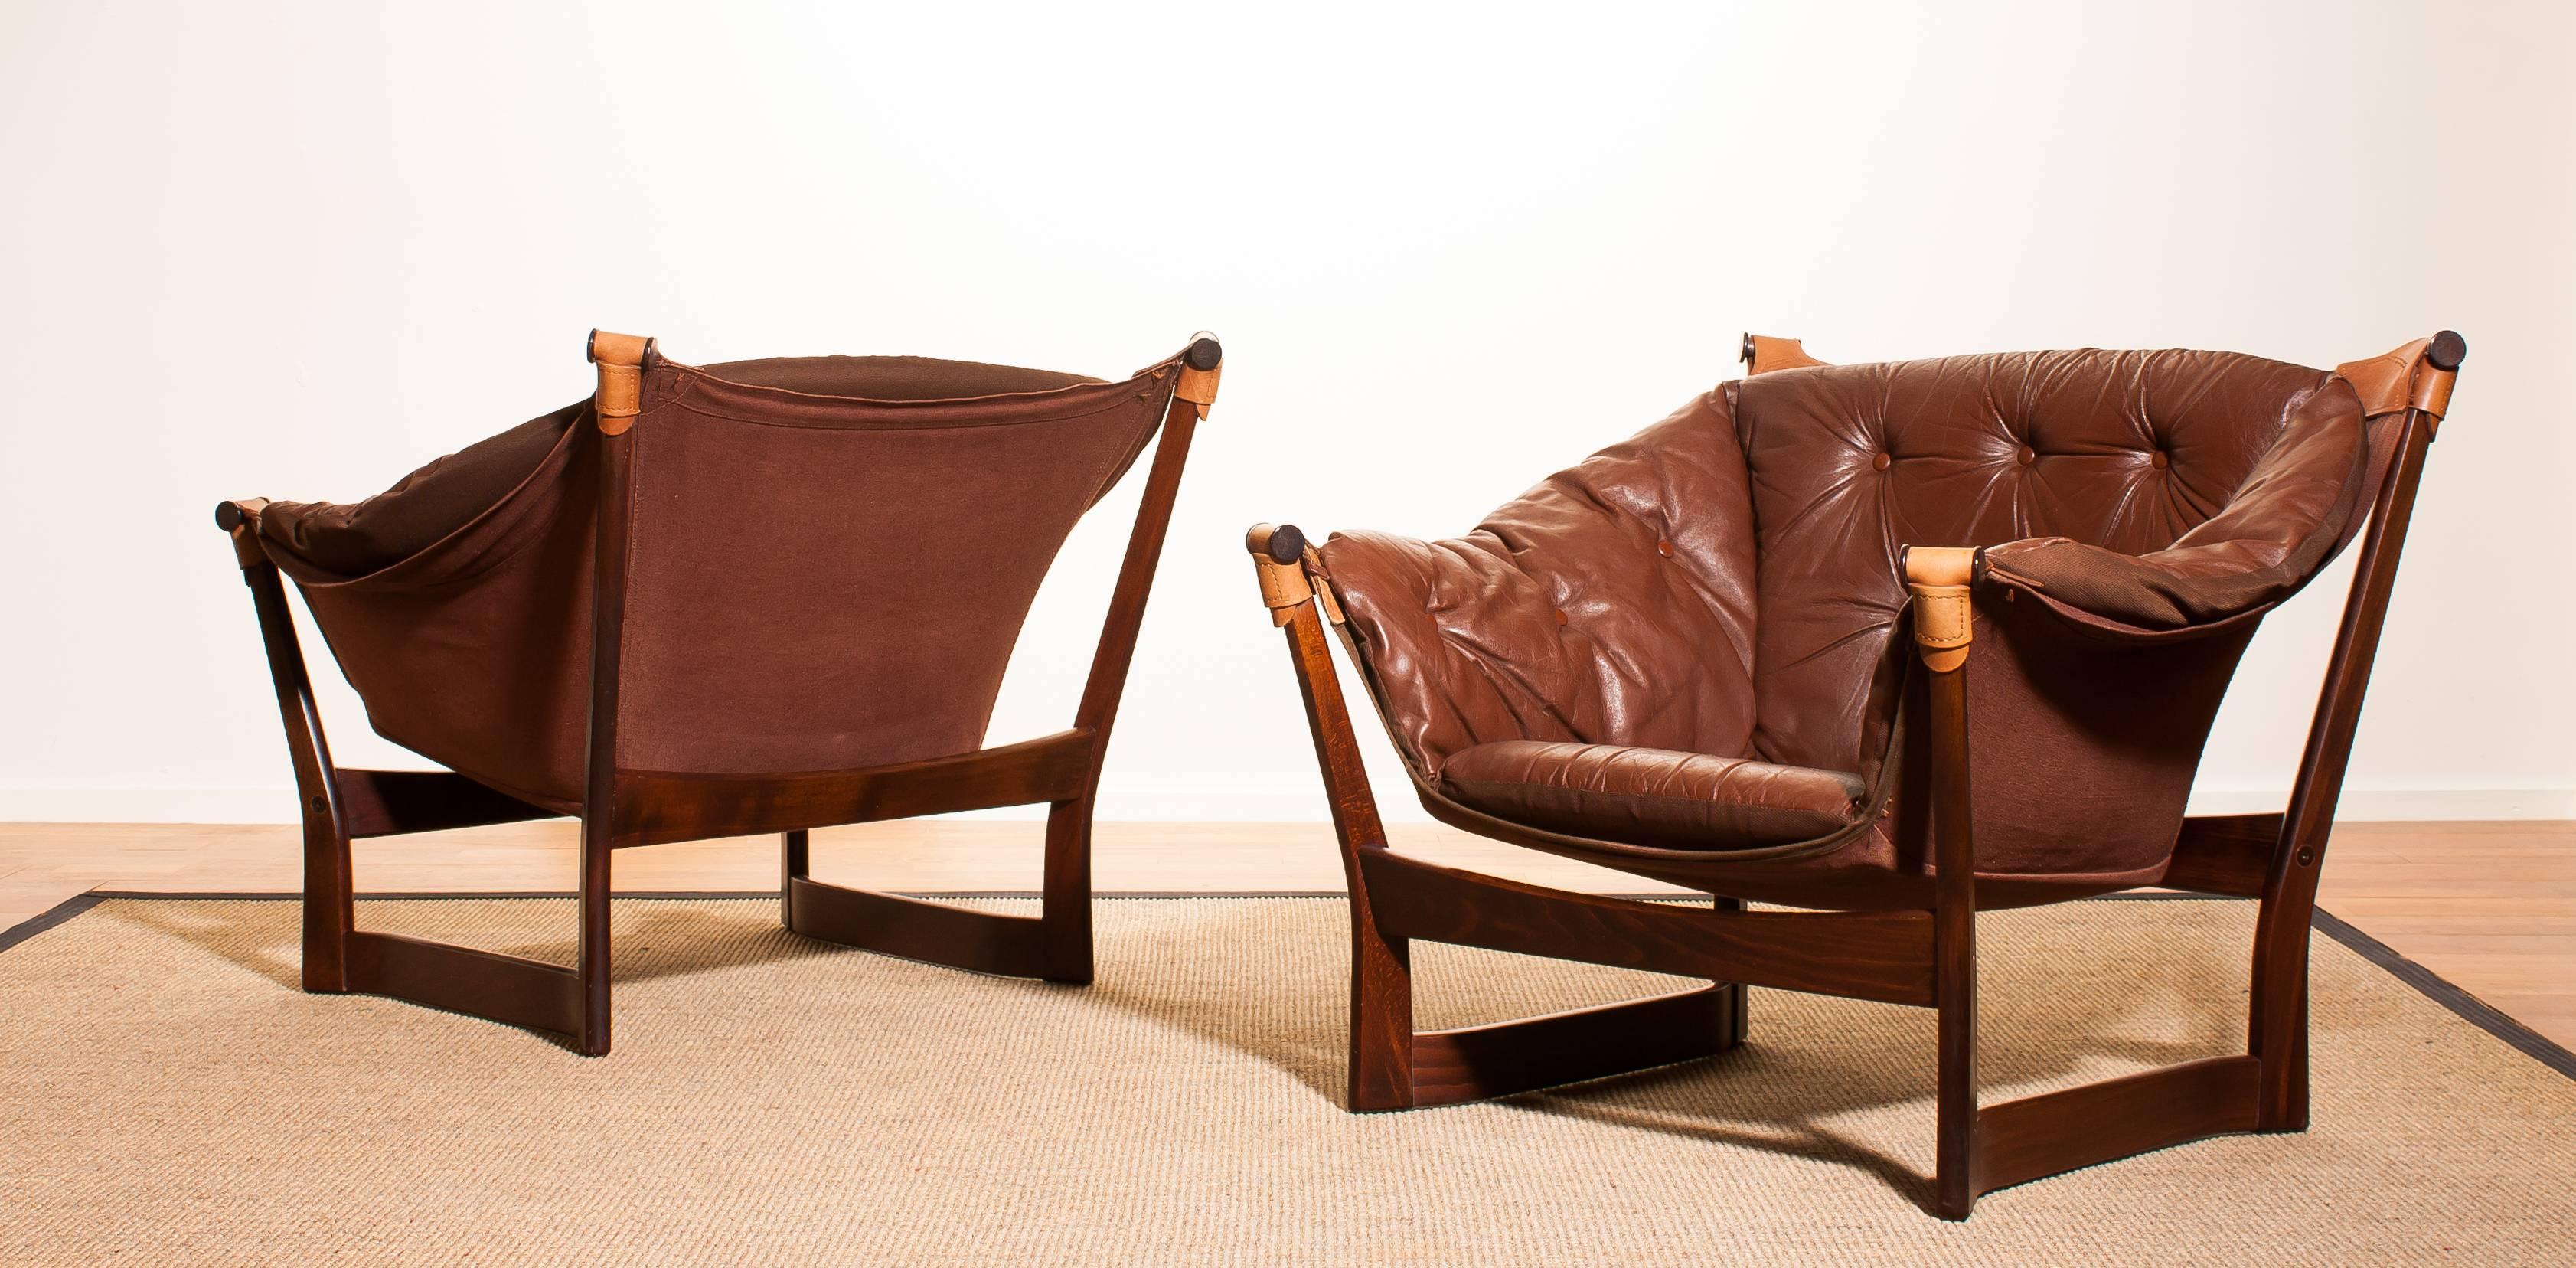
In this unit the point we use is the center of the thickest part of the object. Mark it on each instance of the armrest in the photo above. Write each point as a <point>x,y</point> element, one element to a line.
<point>1458,642</point>
<point>2274,534</point>
<point>2085,747</point>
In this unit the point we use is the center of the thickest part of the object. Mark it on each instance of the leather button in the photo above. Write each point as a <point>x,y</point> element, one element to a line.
<point>1664,549</point>
<point>2160,461</point>
<point>1881,462</point>
<point>1560,616</point>
<point>2028,455</point>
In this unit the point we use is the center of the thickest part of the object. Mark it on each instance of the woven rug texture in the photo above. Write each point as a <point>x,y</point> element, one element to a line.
<point>168,1094</point>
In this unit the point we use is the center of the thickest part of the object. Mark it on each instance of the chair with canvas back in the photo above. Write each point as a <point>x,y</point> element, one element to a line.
<point>757,597</point>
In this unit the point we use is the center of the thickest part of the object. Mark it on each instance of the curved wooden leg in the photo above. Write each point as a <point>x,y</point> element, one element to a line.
<point>330,912</point>
<point>1954,987</point>
<point>2280,1010</point>
<point>2279,1007</point>
<point>1381,1015</point>
<point>592,965</point>
<point>1065,916</point>
<point>330,900</point>
<point>1739,996</point>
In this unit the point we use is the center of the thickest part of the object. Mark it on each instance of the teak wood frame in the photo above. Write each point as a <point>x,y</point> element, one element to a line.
<point>1925,958</point>
<point>623,808</point>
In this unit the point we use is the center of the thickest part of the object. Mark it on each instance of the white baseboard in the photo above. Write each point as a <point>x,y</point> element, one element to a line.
<point>1201,805</point>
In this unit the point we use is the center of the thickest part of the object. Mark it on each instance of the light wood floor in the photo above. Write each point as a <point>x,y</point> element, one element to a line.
<point>2489,905</point>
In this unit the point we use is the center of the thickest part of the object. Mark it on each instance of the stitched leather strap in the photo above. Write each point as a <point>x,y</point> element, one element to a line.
<point>1322,581</point>
<point>2410,375</point>
<point>1284,587</point>
<point>1944,615</point>
<point>1765,353</point>
<point>620,359</point>
<point>1201,366</point>
<point>2384,381</point>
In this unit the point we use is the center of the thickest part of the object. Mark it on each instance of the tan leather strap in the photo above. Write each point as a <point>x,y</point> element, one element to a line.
<point>1323,583</point>
<point>1198,387</point>
<point>1943,612</point>
<point>1202,364</point>
<point>2432,392</point>
<point>1284,587</point>
<point>620,359</point>
<point>2385,381</point>
<point>1765,353</point>
<point>2403,377</point>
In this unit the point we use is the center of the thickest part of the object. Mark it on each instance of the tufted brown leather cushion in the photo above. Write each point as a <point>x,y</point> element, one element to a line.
<point>1677,801</point>
<point>1612,604</point>
<point>1725,584</point>
<point>2299,502</point>
<point>1987,450</point>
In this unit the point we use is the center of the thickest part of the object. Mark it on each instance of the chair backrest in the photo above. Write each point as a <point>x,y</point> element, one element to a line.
<point>828,560</point>
<point>2127,451</point>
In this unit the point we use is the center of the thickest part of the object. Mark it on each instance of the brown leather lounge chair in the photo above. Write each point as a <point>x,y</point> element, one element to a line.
<point>1685,658</point>
<point>765,596</point>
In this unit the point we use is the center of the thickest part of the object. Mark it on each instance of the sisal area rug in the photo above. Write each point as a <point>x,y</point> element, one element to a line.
<point>167,1094</point>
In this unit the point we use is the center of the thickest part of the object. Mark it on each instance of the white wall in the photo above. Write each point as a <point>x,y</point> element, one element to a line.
<point>295,250</point>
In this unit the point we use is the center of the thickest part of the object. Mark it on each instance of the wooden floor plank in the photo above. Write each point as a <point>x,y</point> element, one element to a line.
<point>25,897</point>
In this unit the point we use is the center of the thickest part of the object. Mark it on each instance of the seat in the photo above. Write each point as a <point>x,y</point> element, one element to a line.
<point>751,597</point>
<point>1883,644</point>
<point>1653,797</point>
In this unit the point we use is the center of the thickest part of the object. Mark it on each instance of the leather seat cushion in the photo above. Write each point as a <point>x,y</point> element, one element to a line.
<point>1651,797</point>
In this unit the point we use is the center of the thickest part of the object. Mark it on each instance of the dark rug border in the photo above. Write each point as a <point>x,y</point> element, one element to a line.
<point>50,917</point>
<point>2426,982</point>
